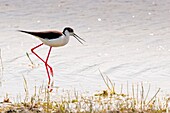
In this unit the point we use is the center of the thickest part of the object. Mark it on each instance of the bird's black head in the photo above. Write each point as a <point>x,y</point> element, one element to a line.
<point>68,29</point>
<point>70,32</point>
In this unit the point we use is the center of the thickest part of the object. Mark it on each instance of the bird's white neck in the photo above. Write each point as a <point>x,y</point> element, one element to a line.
<point>66,33</point>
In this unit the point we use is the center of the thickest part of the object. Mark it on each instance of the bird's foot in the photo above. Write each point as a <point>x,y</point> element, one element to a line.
<point>50,86</point>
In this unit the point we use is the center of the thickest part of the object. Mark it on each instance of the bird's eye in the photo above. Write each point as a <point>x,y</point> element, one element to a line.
<point>70,30</point>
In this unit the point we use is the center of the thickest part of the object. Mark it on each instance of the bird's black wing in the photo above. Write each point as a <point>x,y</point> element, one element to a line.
<point>45,34</point>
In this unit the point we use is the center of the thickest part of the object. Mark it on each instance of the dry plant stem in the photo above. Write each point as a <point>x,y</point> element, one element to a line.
<point>104,80</point>
<point>113,88</point>
<point>127,94</point>
<point>48,100</point>
<point>35,92</point>
<point>76,94</point>
<point>29,58</point>
<point>142,96</point>
<point>137,94</point>
<point>45,94</point>
<point>133,95</point>
<point>127,88</point>
<point>121,89</point>
<point>147,93</point>
<point>26,89</point>
<point>167,102</point>
<point>153,96</point>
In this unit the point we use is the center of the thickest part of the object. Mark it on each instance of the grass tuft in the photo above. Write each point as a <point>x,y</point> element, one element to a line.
<point>107,101</point>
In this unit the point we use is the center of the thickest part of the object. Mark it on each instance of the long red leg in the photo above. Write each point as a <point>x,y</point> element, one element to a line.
<point>49,82</point>
<point>47,65</point>
<point>32,50</point>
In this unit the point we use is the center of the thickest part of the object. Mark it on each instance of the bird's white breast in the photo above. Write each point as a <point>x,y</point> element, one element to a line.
<point>61,41</point>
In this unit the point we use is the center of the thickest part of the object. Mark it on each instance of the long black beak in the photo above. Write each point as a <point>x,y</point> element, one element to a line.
<point>78,38</point>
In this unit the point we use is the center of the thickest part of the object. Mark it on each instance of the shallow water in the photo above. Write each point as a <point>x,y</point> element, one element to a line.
<point>127,40</point>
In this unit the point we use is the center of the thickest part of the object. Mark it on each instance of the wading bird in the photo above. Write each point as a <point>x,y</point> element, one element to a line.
<point>52,39</point>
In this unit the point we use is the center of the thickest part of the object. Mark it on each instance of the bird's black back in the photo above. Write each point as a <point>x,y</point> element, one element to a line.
<point>45,34</point>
